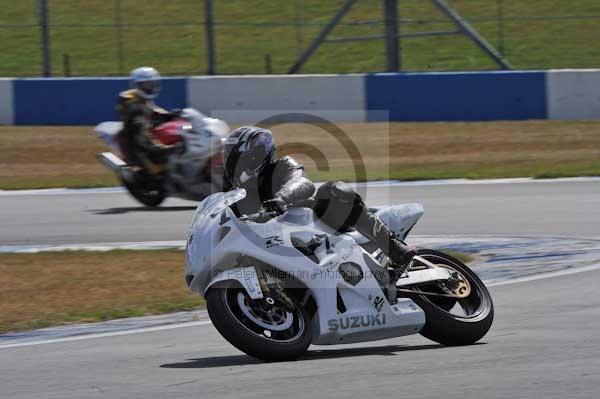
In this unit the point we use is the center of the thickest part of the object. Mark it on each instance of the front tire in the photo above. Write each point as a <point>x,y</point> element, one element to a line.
<point>149,193</point>
<point>278,336</point>
<point>444,323</point>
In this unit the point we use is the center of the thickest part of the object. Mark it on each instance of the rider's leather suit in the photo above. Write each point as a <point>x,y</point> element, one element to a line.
<point>139,117</point>
<point>285,178</point>
<point>337,204</point>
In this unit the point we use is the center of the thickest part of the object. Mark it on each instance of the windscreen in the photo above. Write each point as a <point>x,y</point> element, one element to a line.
<point>215,203</point>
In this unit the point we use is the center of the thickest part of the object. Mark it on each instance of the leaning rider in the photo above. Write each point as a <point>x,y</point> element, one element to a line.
<point>274,184</point>
<point>140,115</point>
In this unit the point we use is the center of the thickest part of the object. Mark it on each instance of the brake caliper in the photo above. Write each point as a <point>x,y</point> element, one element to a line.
<point>274,291</point>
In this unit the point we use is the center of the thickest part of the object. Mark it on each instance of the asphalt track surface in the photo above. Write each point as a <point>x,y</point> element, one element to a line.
<point>544,344</point>
<point>545,341</point>
<point>570,209</point>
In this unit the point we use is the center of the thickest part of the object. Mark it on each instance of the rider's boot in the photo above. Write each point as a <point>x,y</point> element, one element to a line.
<point>399,253</point>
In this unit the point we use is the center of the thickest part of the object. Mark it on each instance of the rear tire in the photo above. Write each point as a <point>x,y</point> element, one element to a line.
<point>441,324</point>
<point>224,309</point>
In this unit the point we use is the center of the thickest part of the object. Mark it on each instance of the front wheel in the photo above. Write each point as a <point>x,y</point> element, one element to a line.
<point>262,330</point>
<point>149,192</point>
<point>460,314</point>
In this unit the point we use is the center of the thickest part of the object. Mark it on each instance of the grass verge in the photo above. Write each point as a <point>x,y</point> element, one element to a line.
<point>55,288</point>
<point>43,157</point>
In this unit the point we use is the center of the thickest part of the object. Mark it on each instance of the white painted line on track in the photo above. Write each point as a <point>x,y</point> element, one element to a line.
<point>377,183</point>
<point>109,334</point>
<point>99,247</point>
<point>180,244</point>
<point>63,191</point>
<point>207,322</point>
<point>541,276</point>
<point>451,182</point>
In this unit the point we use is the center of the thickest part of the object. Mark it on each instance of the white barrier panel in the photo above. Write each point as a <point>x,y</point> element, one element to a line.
<point>6,102</point>
<point>573,94</point>
<point>266,94</point>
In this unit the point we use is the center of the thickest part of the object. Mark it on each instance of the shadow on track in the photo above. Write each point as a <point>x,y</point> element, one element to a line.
<point>123,210</point>
<point>242,360</point>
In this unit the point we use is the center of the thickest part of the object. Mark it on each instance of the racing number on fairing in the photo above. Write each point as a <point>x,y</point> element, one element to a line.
<point>378,303</point>
<point>224,218</point>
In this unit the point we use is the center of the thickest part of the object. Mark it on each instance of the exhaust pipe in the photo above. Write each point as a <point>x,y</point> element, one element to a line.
<point>111,161</point>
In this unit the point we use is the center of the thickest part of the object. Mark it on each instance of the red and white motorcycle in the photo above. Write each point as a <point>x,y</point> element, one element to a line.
<point>193,173</point>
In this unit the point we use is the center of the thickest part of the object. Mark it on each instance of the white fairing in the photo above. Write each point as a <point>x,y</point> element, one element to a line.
<point>401,218</point>
<point>218,242</point>
<point>205,135</point>
<point>203,138</point>
<point>107,132</point>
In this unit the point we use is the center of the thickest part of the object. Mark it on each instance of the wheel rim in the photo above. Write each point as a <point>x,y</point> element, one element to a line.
<point>473,301</point>
<point>274,324</point>
<point>275,319</point>
<point>460,288</point>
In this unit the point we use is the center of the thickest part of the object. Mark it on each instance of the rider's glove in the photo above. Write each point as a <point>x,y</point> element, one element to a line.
<point>276,204</point>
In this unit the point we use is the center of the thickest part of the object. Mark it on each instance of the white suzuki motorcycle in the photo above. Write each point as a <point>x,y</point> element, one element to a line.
<point>192,174</point>
<point>274,284</point>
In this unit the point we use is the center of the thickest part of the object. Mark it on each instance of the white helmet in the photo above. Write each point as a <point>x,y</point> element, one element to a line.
<point>146,81</point>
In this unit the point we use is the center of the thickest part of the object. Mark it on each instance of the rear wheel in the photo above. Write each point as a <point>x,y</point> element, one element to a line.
<point>261,329</point>
<point>456,314</point>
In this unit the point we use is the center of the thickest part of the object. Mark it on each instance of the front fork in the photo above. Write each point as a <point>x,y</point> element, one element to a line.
<point>273,290</point>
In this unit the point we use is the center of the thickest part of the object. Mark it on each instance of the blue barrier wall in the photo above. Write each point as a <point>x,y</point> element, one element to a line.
<point>80,101</point>
<point>469,96</point>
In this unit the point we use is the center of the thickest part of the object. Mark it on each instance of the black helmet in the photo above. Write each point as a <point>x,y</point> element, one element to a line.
<point>248,150</point>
